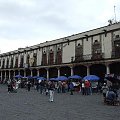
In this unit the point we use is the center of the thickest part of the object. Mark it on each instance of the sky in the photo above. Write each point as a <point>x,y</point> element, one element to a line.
<point>29,22</point>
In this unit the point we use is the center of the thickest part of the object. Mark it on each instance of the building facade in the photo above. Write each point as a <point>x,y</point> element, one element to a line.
<point>92,52</point>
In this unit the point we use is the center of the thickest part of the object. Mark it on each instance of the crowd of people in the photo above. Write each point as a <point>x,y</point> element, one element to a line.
<point>111,94</point>
<point>85,87</point>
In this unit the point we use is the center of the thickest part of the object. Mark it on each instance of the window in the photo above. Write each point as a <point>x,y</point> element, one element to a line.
<point>117,36</point>
<point>78,44</point>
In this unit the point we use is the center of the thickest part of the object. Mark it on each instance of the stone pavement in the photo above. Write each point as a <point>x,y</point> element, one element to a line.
<point>25,105</point>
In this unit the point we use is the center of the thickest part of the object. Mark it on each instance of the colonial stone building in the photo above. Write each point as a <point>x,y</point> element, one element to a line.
<point>92,52</point>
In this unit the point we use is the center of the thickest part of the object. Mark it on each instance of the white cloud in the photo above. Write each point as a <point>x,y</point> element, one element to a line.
<point>36,21</point>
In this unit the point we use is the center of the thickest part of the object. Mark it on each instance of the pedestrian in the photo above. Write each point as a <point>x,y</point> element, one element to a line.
<point>87,87</point>
<point>83,88</point>
<point>51,91</point>
<point>9,87</point>
<point>71,86</point>
<point>41,86</point>
<point>37,86</point>
<point>28,85</point>
<point>104,89</point>
<point>46,87</point>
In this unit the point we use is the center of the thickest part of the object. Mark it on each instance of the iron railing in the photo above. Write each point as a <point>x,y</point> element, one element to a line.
<point>87,57</point>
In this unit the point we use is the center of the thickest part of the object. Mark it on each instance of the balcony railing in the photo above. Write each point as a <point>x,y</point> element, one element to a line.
<point>87,57</point>
<point>115,54</point>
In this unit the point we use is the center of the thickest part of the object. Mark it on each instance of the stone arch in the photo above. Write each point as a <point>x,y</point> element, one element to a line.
<point>65,71</point>
<point>43,72</point>
<point>22,72</point>
<point>34,72</point>
<point>53,72</point>
<point>16,72</point>
<point>80,70</point>
<point>28,72</point>
<point>98,69</point>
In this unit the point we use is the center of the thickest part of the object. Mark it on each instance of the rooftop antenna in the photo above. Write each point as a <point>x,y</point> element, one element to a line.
<point>115,13</point>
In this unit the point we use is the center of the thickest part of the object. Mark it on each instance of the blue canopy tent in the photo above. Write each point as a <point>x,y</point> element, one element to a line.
<point>18,76</point>
<point>75,77</point>
<point>29,77</point>
<point>24,77</point>
<point>52,79</point>
<point>91,78</point>
<point>62,78</point>
<point>35,77</point>
<point>41,78</point>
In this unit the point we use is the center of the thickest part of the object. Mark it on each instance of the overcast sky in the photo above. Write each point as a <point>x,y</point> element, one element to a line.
<point>30,22</point>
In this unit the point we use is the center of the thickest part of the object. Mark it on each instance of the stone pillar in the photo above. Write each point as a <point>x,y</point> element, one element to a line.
<point>88,70</point>
<point>107,69</point>
<point>58,72</point>
<point>71,70</point>
<point>37,72</point>
<point>9,74</point>
<point>31,73</point>
<point>47,74</point>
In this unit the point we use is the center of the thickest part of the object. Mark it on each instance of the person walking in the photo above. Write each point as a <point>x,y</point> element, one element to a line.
<point>9,86</point>
<point>28,85</point>
<point>51,91</point>
<point>71,86</point>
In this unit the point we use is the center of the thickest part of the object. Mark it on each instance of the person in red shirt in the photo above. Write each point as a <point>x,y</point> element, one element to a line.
<point>87,87</point>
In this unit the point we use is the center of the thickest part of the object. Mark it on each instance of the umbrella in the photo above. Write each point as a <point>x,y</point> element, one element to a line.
<point>29,77</point>
<point>18,76</point>
<point>52,79</point>
<point>75,77</point>
<point>24,77</point>
<point>35,77</point>
<point>91,77</point>
<point>41,78</point>
<point>61,78</point>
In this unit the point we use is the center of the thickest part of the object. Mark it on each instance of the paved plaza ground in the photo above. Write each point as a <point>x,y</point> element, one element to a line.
<point>32,105</point>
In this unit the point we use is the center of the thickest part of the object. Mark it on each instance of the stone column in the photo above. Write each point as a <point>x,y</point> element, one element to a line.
<point>37,72</point>
<point>47,74</point>
<point>107,69</point>
<point>58,72</point>
<point>9,75</point>
<point>88,70</point>
<point>71,70</point>
<point>31,73</point>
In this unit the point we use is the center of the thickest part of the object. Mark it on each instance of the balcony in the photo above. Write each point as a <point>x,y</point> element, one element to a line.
<point>115,54</point>
<point>88,57</point>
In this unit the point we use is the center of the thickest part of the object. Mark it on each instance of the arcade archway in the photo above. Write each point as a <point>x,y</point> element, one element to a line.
<point>28,72</point>
<point>43,72</point>
<point>99,70</point>
<point>34,72</point>
<point>53,72</point>
<point>65,71</point>
<point>80,70</point>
